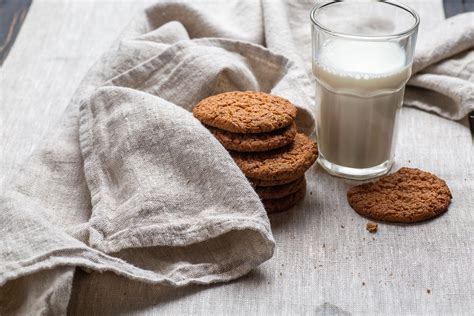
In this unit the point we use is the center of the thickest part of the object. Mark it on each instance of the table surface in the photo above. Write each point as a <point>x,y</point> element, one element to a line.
<point>325,261</point>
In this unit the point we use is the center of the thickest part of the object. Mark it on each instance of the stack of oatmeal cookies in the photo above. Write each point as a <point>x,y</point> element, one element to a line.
<point>260,133</point>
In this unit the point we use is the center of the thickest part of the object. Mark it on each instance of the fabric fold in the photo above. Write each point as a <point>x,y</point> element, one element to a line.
<point>157,177</point>
<point>443,66</point>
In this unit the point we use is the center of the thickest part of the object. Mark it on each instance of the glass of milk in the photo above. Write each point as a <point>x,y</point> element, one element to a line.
<point>362,57</point>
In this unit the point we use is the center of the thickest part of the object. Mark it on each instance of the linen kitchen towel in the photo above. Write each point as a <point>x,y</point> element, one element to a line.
<point>131,182</point>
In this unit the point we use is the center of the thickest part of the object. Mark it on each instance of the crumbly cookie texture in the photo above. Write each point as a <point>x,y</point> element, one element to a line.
<point>255,142</point>
<point>287,163</point>
<point>284,203</point>
<point>407,196</point>
<point>279,191</point>
<point>245,112</point>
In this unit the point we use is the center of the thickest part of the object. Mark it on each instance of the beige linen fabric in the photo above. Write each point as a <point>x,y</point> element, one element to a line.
<point>51,222</point>
<point>444,69</point>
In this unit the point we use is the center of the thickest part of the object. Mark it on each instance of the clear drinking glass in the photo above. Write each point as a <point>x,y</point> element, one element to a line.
<point>362,57</point>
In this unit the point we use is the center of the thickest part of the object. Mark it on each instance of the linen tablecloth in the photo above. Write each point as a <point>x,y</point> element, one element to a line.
<point>324,262</point>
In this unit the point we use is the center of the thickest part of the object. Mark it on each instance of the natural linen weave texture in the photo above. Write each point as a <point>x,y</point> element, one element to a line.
<point>130,182</point>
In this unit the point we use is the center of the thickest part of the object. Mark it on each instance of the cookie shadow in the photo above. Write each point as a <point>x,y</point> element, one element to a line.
<point>306,210</point>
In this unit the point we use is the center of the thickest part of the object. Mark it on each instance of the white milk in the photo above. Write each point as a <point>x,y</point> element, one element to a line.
<point>359,93</point>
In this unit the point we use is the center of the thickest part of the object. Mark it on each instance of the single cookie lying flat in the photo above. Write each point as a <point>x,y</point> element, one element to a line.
<point>406,196</point>
<point>245,112</point>
<point>284,203</point>
<point>287,163</point>
<point>255,142</point>
<point>279,191</point>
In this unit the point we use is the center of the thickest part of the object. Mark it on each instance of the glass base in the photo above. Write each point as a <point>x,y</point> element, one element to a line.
<point>355,173</point>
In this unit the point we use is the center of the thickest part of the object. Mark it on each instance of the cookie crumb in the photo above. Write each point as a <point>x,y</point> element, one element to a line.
<point>372,227</point>
<point>428,291</point>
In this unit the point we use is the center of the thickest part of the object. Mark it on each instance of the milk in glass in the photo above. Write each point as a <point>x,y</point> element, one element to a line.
<point>359,91</point>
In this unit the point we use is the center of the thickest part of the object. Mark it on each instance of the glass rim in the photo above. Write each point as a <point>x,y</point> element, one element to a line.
<point>405,33</point>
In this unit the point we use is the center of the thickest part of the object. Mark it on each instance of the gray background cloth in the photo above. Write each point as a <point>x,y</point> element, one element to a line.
<point>325,261</point>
